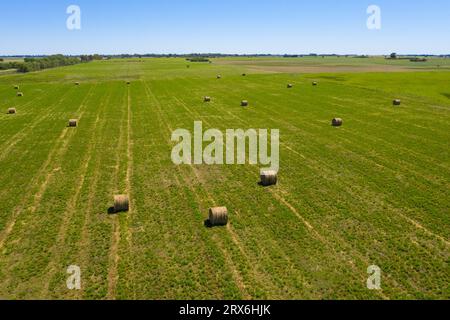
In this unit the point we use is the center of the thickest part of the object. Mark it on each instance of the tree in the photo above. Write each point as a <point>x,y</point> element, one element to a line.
<point>393,55</point>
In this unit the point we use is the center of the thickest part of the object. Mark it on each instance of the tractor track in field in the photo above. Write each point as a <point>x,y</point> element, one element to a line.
<point>234,271</point>
<point>84,243</point>
<point>113,255</point>
<point>129,190</point>
<point>114,258</point>
<point>113,276</point>
<point>56,153</point>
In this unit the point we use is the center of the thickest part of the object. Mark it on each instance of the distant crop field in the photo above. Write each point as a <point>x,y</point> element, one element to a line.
<point>375,191</point>
<point>329,64</point>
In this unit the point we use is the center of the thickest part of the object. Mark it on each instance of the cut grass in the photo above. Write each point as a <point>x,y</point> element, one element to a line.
<point>375,191</point>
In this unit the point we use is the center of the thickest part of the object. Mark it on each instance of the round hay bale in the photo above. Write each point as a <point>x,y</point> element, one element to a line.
<point>12,110</point>
<point>128,82</point>
<point>16,87</point>
<point>314,83</point>
<point>77,83</point>
<point>244,74</point>
<point>207,99</point>
<point>218,216</point>
<point>269,178</point>
<point>397,102</point>
<point>121,203</point>
<point>219,76</point>
<point>244,103</point>
<point>290,85</point>
<point>337,122</point>
<point>73,122</point>
<point>20,94</point>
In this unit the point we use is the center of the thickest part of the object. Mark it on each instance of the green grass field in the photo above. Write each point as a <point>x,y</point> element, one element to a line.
<point>372,192</point>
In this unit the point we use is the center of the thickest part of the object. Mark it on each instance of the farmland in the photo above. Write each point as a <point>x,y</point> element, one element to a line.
<point>372,192</point>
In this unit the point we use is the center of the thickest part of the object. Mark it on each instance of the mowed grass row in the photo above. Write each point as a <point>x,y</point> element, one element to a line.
<point>372,192</point>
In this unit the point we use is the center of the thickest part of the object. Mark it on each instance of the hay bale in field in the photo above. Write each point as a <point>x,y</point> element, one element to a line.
<point>128,82</point>
<point>218,216</point>
<point>337,122</point>
<point>20,94</point>
<point>290,85</point>
<point>12,110</point>
<point>269,178</point>
<point>219,76</point>
<point>121,203</point>
<point>244,74</point>
<point>16,87</point>
<point>397,102</point>
<point>314,83</point>
<point>244,103</point>
<point>207,99</point>
<point>73,122</point>
<point>77,83</point>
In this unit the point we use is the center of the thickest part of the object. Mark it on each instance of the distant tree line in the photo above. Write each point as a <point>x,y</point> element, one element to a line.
<point>186,56</point>
<point>222,55</point>
<point>92,57</point>
<point>9,65</point>
<point>30,64</point>
<point>198,59</point>
<point>394,56</point>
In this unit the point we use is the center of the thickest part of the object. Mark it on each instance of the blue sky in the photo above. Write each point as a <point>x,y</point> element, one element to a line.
<point>227,26</point>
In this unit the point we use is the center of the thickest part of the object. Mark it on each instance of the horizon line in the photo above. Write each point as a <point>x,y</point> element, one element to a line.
<point>226,54</point>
